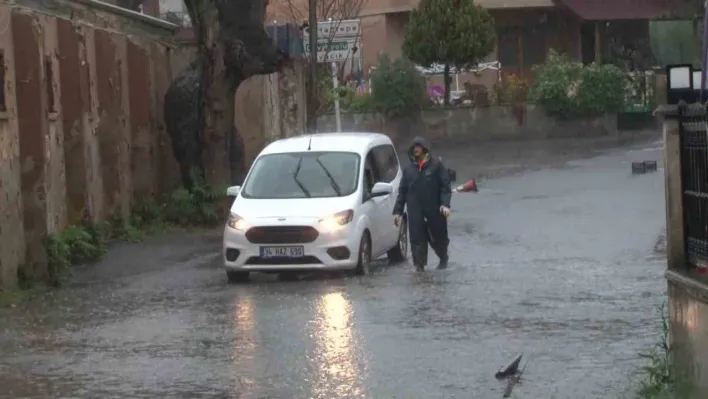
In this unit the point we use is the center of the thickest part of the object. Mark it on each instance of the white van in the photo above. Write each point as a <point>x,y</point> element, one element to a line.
<point>316,202</point>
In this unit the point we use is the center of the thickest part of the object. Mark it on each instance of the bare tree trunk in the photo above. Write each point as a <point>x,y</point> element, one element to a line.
<point>199,106</point>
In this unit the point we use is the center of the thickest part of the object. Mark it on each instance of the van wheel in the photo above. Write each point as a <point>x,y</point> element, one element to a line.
<point>363,265</point>
<point>399,253</point>
<point>237,277</point>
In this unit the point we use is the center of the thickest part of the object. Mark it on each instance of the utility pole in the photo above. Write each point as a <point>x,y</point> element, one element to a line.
<point>311,111</point>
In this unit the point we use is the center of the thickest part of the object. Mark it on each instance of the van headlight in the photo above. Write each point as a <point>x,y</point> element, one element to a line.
<point>236,222</point>
<point>336,221</point>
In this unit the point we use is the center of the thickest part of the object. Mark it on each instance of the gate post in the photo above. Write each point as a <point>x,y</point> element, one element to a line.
<point>675,241</point>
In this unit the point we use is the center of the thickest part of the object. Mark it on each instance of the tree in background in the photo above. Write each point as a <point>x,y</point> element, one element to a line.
<point>397,88</point>
<point>199,104</point>
<point>454,33</point>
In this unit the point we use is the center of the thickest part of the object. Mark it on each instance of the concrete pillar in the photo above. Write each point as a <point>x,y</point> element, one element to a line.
<point>675,242</point>
<point>12,239</point>
<point>54,170</point>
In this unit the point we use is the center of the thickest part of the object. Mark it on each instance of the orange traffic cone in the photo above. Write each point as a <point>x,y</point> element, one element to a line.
<point>470,185</point>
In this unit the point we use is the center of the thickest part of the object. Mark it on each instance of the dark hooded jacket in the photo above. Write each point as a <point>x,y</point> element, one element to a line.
<point>425,187</point>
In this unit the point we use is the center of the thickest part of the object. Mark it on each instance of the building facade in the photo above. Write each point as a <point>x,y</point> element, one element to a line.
<point>526,29</point>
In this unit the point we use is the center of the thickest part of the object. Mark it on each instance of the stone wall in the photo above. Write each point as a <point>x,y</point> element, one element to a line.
<point>82,133</point>
<point>81,114</point>
<point>526,122</point>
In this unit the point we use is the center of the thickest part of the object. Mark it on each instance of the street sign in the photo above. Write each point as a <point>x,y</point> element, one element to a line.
<point>334,49</point>
<point>344,28</point>
<point>336,40</point>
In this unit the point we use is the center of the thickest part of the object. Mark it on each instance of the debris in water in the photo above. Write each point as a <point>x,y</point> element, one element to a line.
<point>650,166</point>
<point>510,369</point>
<point>515,379</point>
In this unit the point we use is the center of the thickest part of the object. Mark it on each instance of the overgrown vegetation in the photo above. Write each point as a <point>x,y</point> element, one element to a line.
<point>397,88</point>
<point>87,242</point>
<point>658,377</point>
<point>451,33</point>
<point>568,89</point>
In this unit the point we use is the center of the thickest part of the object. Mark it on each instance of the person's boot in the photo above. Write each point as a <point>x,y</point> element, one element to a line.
<point>442,255</point>
<point>420,256</point>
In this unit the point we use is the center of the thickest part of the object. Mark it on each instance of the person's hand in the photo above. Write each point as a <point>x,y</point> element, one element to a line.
<point>445,211</point>
<point>397,220</point>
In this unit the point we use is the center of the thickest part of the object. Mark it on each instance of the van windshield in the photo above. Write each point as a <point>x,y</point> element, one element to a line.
<point>308,174</point>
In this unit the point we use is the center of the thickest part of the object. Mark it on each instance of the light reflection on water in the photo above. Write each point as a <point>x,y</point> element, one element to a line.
<point>245,347</point>
<point>338,370</point>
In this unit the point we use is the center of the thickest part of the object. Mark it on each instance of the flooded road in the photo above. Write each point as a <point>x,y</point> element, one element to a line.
<point>556,263</point>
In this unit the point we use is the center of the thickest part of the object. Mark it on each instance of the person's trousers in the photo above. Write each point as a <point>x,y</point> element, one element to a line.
<point>424,230</point>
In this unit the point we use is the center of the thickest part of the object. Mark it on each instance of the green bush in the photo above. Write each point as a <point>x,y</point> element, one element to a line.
<point>567,89</point>
<point>398,89</point>
<point>73,246</point>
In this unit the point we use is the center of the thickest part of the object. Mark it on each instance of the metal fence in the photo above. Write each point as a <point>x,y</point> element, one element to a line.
<point>693,125</point>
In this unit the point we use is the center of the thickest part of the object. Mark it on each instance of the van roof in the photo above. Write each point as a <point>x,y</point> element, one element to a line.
<point>346,141</point>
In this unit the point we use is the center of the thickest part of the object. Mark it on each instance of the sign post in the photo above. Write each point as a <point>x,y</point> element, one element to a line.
<point>335,84</point>
<point>336,41</point>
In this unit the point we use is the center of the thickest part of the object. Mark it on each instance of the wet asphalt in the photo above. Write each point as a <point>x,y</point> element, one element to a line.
<point>556,260</point>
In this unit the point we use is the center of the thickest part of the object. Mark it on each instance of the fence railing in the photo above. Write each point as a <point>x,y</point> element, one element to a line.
<point>693,130</point>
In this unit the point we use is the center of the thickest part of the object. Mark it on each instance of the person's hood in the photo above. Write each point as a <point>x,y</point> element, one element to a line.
<point>418,141</point>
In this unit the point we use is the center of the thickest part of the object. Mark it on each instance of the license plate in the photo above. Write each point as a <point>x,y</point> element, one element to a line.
<point>282,252</point>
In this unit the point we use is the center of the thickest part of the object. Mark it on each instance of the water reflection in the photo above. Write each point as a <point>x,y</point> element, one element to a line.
<point>244,346</point>
<point>338,371</point>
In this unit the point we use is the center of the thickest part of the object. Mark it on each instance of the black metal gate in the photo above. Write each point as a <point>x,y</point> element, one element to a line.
<point>693,130</point>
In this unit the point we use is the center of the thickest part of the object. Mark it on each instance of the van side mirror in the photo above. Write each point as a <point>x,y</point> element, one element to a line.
<point>233,191</point>
<point>381,189</point>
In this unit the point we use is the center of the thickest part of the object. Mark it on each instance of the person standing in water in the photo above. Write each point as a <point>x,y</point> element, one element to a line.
<point>425,188</point>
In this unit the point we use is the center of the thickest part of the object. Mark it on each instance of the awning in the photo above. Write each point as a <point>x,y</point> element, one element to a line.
<point>608,10</point>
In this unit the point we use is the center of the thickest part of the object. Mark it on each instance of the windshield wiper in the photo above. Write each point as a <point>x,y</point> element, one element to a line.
<point>302,187</point>
<point>333,183</point>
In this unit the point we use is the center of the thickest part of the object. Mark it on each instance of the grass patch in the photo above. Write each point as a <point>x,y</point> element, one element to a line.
<point>658,378</point>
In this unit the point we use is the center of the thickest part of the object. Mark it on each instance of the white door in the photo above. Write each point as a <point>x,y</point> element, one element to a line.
<point>389,171</point>
<point>375,208</point>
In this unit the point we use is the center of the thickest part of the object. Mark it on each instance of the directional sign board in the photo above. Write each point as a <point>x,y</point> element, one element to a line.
<point>335,40</point>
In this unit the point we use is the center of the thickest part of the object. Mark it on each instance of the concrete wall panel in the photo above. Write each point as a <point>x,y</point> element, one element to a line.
<point>74,104</point>
<point>33,127</point>
<point>139,90</point>
<point>113,127</point>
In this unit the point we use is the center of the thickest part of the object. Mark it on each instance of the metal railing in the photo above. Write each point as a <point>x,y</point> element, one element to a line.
<point>693,130</point>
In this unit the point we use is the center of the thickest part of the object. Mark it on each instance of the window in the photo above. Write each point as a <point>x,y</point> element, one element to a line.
<point>386,162</point>
<point>371,174</point>
<point>534,46</point>
<point>508,48</point>
<point>308,174</point>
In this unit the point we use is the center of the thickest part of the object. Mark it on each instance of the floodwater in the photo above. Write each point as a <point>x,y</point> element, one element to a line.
<point>552,259</point>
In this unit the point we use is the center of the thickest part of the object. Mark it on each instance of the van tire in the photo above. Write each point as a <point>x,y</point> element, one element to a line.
<point>363,265</point>
<point>399,253</point>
